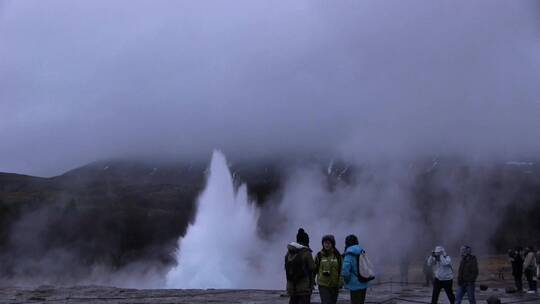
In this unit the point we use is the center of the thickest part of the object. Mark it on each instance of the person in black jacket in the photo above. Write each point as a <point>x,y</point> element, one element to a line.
<point>468,272</point>
<point>299,269</point>
<point>516,259</point>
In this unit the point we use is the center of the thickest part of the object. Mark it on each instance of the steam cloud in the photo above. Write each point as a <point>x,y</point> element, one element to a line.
<point>391,207</point>
<point>372,79</point>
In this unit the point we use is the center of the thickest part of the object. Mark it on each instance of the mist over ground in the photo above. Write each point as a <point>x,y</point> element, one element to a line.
<point>388,119</point>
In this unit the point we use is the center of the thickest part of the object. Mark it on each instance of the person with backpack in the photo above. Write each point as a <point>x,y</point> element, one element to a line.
<point>356,270</point>
<point>328,264</point>
<point>444,274</point>
<point>530,269</point>
<point>467,274</point>
<point>299,269</point>
<point>516,259</point>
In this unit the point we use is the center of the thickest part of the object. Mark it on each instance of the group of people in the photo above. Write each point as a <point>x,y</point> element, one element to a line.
<point>438,269</point>
<point>525,262</point>
<point>329,270</point>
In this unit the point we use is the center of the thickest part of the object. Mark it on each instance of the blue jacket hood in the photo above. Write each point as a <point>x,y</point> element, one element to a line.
<point>354,250</point>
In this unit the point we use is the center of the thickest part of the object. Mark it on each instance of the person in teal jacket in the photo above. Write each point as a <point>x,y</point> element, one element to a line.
<point>349,270</point>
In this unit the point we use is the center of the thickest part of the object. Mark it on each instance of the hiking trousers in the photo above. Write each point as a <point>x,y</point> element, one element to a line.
<point>303,299</point>
<point>519,282</point>
<point>467,288</point>
<point>358,296</point>
<point>447,286</point>
<point>429,279</point>
<point>328,295</point>
<point>529,274</point>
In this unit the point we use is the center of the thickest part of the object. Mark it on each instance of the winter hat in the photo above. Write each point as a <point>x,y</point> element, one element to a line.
<point>330,238</point>
<point>439,249</point>
<point>302,237</point>
<point>351,240</point>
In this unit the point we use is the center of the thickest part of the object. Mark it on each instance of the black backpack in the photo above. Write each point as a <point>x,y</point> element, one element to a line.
<point>294,268</point>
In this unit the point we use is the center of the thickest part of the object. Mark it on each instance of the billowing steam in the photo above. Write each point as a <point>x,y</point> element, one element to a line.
<point>370,78</point>
<point>398,210</point>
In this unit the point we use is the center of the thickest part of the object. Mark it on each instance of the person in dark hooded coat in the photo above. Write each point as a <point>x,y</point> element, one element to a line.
<point>299,269</point>
<point>516,259</point>
<point>467,275</point>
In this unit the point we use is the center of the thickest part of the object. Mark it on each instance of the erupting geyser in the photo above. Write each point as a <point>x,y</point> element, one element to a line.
<point>219,247</point>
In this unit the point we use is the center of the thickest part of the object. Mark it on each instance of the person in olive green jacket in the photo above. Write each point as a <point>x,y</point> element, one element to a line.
<point>328,270</point>
<point>299,269</point>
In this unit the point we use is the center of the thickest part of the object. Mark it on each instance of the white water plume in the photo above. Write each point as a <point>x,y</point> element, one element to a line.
<point>218,249</point>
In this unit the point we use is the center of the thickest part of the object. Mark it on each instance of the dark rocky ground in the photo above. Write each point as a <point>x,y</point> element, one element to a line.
<point>386,293</point>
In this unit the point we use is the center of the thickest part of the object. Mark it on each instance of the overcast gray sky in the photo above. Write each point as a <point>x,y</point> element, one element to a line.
<point>87,80</point>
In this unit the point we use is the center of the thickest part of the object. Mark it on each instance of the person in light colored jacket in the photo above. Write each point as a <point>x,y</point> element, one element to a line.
<point>530,269</point>
<point>443,273</point>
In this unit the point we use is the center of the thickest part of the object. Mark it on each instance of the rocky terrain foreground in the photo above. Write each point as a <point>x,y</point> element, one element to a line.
<point>383,293</point>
